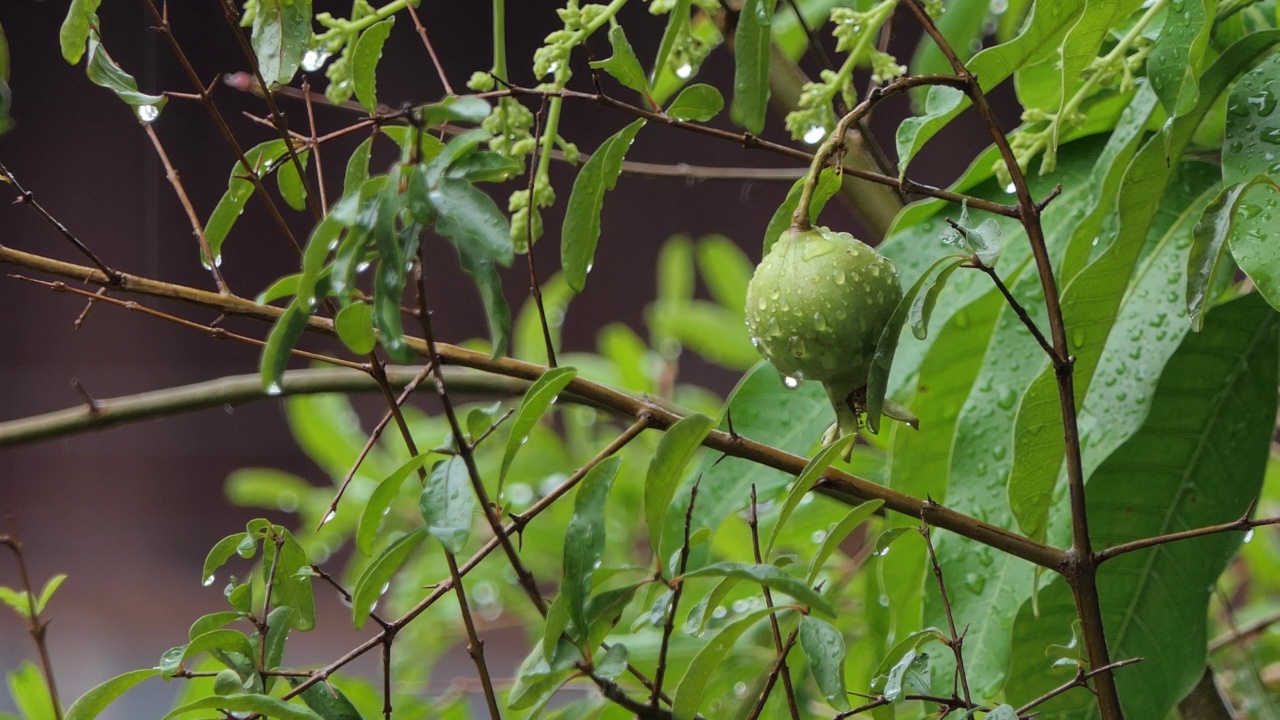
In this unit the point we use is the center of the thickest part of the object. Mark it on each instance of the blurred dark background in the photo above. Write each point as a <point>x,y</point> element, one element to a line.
<point>129,513</point>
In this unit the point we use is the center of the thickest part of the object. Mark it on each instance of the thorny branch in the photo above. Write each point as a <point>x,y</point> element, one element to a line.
<point>35,627</point>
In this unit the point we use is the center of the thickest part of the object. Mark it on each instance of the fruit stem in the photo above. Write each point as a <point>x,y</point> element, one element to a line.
<point>800,218</point>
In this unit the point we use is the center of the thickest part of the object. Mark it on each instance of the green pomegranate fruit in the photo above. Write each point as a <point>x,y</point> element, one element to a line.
<point>816,308</point>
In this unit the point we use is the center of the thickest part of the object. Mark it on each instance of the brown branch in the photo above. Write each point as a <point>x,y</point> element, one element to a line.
<point>435,60</point>
<point>677,589</point>
<point>197,227</point>
<point>1081,679</point>
<point>1244,632</point>
<point>28,198</point>
<point>779,666</point>
<point>1016,306</point>
<point>1242,524</point>
<point>955,640</point>
<point>37,629</point>
<point>753,522</point>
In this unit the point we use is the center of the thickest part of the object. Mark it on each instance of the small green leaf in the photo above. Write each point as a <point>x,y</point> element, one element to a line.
<point>677,25</point>
<point>30,692</point>
<point>292,586</point>
<point>279,622</point>
<point>770,576</point>
<point>220,554</point>
<point>828,184</point>
<point>922,307</point>
<point>76,28</point>
<point>283,338</point>
<point>674,452</point>
<point>472,110</point>
<point>323,239</point>
<point>93,702</point>
<point>380,500</point>
<point>725,269</point>
<point>212,621</point>
<point>537,399</point>
<point>286,286</point>
<point>584,540</point>
<point>751,51</point>
<point>357,167</point>
<point>623,64</point>
<point>247,703</point>
<point>614,662</point>
<point>50,588</point>
<point>689,693</point>
<point>1208,240</point>
<point>376,577</point>
<point>473,217</point>
<point>104,72</point>
<point>715,332</point>
<point>329,702</point>
<point>698,102</point>
<point>1002,712</point>
<point>804,482</point>
<point>910,675</point>
<point>705,609</point>
<point>823,645</point>
<point>1177,59</point>
<point>218,640</point>
<point>262,158</point>
<point>354,325</point>
<point>581,231</point>
<point>281,35</point>
<point>292,184</point>
<point>485,166</point>
<point>16,599</point>
<point>447,504</point>
<point>364,62</point>
<point>882,362</point>
<point>479,266</point>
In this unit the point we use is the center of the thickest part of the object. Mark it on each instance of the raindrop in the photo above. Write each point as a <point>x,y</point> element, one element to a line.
<point>998,452</point>
<point>998,7</point>
<point>975,582</point>
<point>148,113</point>
<point>791,382</point>
<point>314,59</point>
<point>814,135</point>
<point>818,536</point>
<point>684,71</point>
<point>1010,188</point>
<point>819,321</point>
<point>328,518</point>
<point>1248,536</point>
<point>207,581</point>
<point>274,388</point>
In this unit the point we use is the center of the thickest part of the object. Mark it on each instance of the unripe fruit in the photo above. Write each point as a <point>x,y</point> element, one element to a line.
<point>816,308</point>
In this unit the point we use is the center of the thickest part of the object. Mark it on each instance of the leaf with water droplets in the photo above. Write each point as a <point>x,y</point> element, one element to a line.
<point>281,35</point>
<point>537,399</point>
<point>811,474</point>
<point>623,65</point>
<point>261,158</point>
<point>770,576</point>
<point>220,554</point>
<point>688,695</point>
<point>104,72</point>
<point>1209,240</point>
<point>752,46</point>
<point>380,501</point>
<point>364,62</point>
<point>375,578</point>
<point>581,231</point>
<point>823,646</point>
<point>283,338</point>
<point>1177,59</point>
<point>675,450</point>
<point>447,504</point>
<point>584,540</point>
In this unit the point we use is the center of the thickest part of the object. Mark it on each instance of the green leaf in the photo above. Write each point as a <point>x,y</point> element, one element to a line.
<point>1209,240</point>
<point>485,166</point>
<point>677,25</point>
<point>882,361</point>
<point>104,72</point>
<point>674,452</point>
<point>614,661</point>
<point>286,286</point>
<point>1252,125</point>
<point>323,239</point>
<point>354,325</point>
<point>581,231</point>
<point>828,184</point>
<point>364,62</point>
<point>850,522</point>
<point>715,332</point>
<point>292,184</point>
<point>16,599</point>
<point>823,645</point>
<point>50,588</point>
<point>292,583</point>
<point>770,576</point>
<point>1252,243</point>
<point>447,504</point>
<point>1177,59</point>
<point>962,26</point>
<point>376,577</point>
<point>357,167</point>
<point>623,64</point>
<point>1199,460</point>
<point>281,35</point>
<point>223,641</point>
<point>220,554</point>
<point>693,686</point>
<point>537,400</point>
<point>698,102</point>
<point>910,675</point>
<point>725,269</point>
<point>280,344</point>
<point>76,28</point>
<point>328,701</point>
<point>584,540</point>
<point>380,500</point>
<point>278,626</point>
<point>479,266</point>
<point>262,158</point>
<point>471,110</point>
<point>751,50</point>
<point>93,702</point>
<point>473,218</point>
<point>1041,34</point>
<point>30,692</point>
<point>811,474</point>
<point>247,703</point>
<point>212,621</point>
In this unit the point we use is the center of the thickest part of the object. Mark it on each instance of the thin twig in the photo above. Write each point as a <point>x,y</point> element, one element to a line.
<point>955,640</point>
<point>753,521</point>
<point>1081,680</point>
<point>314,144</point>
<point>778,668</point>
<point>197,227</point>
<point>1245,632</point>
<point>1016,306</point>
<point>1242,524</point>
<point>35,627</point>
<point>677,588</point>
<point>28,198</point>
<point>435,60</point>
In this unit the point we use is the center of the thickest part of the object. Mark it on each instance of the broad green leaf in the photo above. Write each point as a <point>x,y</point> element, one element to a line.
<point>220,554</point>
<point>279,621</point>
<point>698,102</point>
<point>292,582</point>
<point>882,361</point>
<point>581,231</point>
<point>1041,34</point>
<point>623,65</point>
<point>473,218</point>
<point>354,325</point>
<point>329,702</point>
<point>751,53</point>
<point>674,452</point>
<point>725,269</point>
<point>292,184</point>
<point>364,62</point>
<point>1209,241</point>
<point>357,167</point>
<point>30,692</point>
<point>323,239</point>
<point>247,703</point>
<point>281,341</point>
<point>688,695</point>
<point>770,576</point>
<point>212,621</point>
<point>614,662</point>
<point>850,522</point>
<point>281,35</point>
<point>375,578</point>
<point>715,332</point>
<point>1081,44</point>
<point>828,184</point>
<point>93,702</point>
<point>104,72</point>
<point>537,400</point>
<point>1253,242</point>
<point>448,503</point>
<point>1177,59</point>
<point>76,28</point>
<point>1091,302</point>
<point>1199,460</point>
<point>380,501</point>
<point>584,539</point>
<point>811,474</point>
<point>1252,127</point>
<point>823,645</point>
<point>218,641</point>
<point>261,158</point>
<point>537,679</point>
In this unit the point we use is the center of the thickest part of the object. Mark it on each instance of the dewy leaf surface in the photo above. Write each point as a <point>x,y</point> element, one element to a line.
<point>1175,62</point>
<point>281,33</point>
<point>1199,460</point>
<point>752,45</point>
<point>581,231</point>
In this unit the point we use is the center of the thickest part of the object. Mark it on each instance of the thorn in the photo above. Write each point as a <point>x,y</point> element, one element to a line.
<point>84,314</point>
<point>89,400</point>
